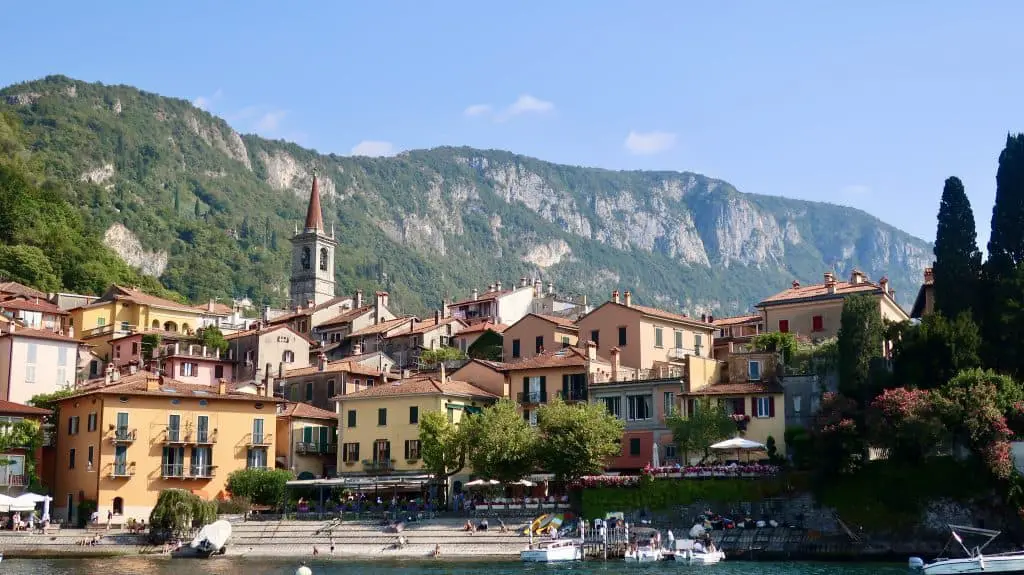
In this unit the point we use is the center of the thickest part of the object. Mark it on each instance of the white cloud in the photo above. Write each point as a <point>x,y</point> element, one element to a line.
<point>477,110</point>
<point>205,102</point>
<point>373,148</point>
<point>646,143</point>
<point>270,121</point>
<point>856,190</point>
<point>527,103</point>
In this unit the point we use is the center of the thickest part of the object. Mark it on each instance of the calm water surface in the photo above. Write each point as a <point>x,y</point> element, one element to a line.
<point>234,566</point>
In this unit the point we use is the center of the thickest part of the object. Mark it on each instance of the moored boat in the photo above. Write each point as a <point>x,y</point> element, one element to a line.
<point>211,540</point>
<point>553,551</point>
<point>975,561</point>
<point>644,554</point>
<point>695,553</point>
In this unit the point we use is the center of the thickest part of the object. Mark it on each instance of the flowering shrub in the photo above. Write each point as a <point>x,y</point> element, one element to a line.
<point>907,422</point>
<point>971,404</point>
<point>837,441</point>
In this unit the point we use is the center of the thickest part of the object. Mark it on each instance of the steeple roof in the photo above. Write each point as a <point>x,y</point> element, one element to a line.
<point>314,216</point>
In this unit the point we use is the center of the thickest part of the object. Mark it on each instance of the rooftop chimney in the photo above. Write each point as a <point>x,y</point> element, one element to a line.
<point>614,353</point>
<point>109,376</point>
<point>591,351</point>
<point>321,361</point>
<point>357,348</point>
<point>222,386</point>
<point>497,285</point>
<point>929,275</point>
<point>857,277</point>
<point>152,382</point>
<point>71,332</point>
<point>884,284</point>
<point>444,373</point>
<point>524,281</point>
<point>445,310</point>
<point>711,318</point>
<point>209,306</point>
<point>475,294</point>
<point>437,317</point>
<point>628,298</point>
<point>796,284</point>
<point>359,298</point>
<point>266,313</point>
<point>830,283</point>
<point>615,296</point>
<point>551,288</point>
<point>538,287</point>
<point>309,304</point>
<point>704,317</point>
<point>379,306</point>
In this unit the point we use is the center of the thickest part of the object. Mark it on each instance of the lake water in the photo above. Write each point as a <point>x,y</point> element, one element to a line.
<point>235,566</point>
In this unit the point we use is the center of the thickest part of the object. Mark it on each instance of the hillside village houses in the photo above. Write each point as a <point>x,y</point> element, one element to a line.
<point>335,386</point>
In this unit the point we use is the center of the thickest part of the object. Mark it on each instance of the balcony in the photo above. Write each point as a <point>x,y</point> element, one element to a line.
<point>121,470</point>
<point>680,353</point>
<point>315,448</point>
<point>123,435</point>
<point>202,471</point>
<point>531,397</point>
<point>174,435</point>
<point>379,465</point>
<point>172,470</point>
<point>12,480</point>
<point>206,437</point>
<point>579,394</point>
<point>259,439</point>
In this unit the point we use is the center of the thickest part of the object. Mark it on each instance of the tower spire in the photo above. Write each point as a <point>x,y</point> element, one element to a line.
<point>314,216</point>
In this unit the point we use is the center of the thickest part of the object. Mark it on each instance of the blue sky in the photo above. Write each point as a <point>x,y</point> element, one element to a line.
<point>870,104</point>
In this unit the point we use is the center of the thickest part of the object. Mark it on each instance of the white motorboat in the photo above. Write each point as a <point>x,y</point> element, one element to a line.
<point>553,551</point>
<point>644,554</point>
<point>211,540</point>
<point>690,551</point>
<point>975,562</point>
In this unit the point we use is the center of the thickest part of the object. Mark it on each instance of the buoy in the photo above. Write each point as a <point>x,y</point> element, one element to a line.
<point>303,570</point>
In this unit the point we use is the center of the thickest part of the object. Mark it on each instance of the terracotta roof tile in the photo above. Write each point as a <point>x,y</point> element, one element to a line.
<point>305,411</point>
<point>804,292</point>
<point>420,386</point>
<point>484,326</point>
<point>749,388</point>
<point>563,322</point>
<point>383,326</point>
<point>565,357</point>
<point>347,316</point>
<point>38,334</point>
<point>20,289</point>
<point>658,313</point>
<point>136,384</point>
<point>218,309</point>
<point>486,296</point>
<point>341,366</point>
<point>142,298</point>
<point>427,325</point>
<point>9,407</point>
<point>736,320</point>
<point>31,304</point>
<point>266,330</point>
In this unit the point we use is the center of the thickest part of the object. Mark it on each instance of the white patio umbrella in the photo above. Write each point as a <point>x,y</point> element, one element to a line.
<point>30,499</point>
<point>655,459</point>
<point>482,482</point>
<point>524,483</point>
<point>739,444</point>
<point>5,502</point>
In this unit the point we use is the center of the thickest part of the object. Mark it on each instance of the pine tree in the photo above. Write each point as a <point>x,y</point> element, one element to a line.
<point>957,258</point>
<point>859,344</point>
<point>197,210</point>
<point>177,202</point>
<point>245,228</point>
<point>1002,285</point>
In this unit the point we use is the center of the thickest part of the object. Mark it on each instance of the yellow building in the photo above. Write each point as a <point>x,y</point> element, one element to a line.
<point>120,444</point>
<point>121,311</point>
<point>750,392</point>
<point>306,440</point>
<point>815,310</point>
<point>378,428</point>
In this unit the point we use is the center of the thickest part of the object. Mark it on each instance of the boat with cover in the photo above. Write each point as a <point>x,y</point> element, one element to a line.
<point>976,561</point>
<point>644,554</point>
<point>553,551</point>
<point>695,553</point>
<point>211,540</point>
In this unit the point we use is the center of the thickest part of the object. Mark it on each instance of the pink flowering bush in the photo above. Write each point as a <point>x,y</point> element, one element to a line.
<point>971,404</point>
<point>906,422</point>
<point>838,443</point>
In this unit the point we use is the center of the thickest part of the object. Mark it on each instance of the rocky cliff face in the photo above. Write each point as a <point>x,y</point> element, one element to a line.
<point>438,221</point>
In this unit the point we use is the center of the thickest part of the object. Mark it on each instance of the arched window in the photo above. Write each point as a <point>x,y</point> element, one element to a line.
<point>305,258</point>
<point>118,506</point>
<point>170,326</point>
<point>156,324</point>
<point>323,259</point>
<point>288,356</point>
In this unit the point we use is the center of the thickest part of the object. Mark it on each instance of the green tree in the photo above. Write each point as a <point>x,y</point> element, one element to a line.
<point>177,201</point>
<point>178,512</point>
<point>28,436</point>
<point>198,211</point>
<point>261,486</point>
<point>837,440</point>
<point>698,431</point>
<point>51,401</point>
<point>957,266</point>
<point>859,346</point>
<point>430,357</point>
<point>213,339</point>
<point>929,354</point>
<point>28,265</point>
<point>974,405</point>
<point>1002,280</point>
<point>442,445</point>
<point>906,422</point>
<point>576,439</point>
<point>777,342</point>
<point>501,444</point>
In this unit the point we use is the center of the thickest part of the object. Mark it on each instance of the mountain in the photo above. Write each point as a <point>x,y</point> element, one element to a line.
<point>181,196</point>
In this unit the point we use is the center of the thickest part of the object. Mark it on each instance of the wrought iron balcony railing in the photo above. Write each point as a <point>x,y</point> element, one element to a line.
<point>529,397</point>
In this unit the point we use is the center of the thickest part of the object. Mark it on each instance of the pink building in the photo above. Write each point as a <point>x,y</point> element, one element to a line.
<point>131,349</point>
<point>193,363</point>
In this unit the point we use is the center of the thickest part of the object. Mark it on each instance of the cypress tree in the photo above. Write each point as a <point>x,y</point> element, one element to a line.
<point>1002,285</point>
<point>957,258</point>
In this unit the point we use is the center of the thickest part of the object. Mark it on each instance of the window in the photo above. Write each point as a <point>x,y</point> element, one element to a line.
<point>613,405</point>
<point>189,369</point>
<point>595,336</point>
<point>71,458</point>
<point>515,348</point>
<point>539,344</point>
<point>288,356</point>
<point>691,407</point>
<point>784,325</point>
<point>202,462</point>
<point>531,417</point>
<point>173,427</point>
<point>351,418</point>
<point>62,356</point>
<point>135,348</point>
<point>817,323</point>
<point>323,259</point>
<point>734,406</point>
<point>309,391</point>
<point>117,352</point>
<point>622,336</point>
<point>101,321</point>
<point>634,446</point>
<point>30,373</point>
<point>256,458</point>
<point>815,403</point>
<point>218,371</point>
<point>382,451</point>
<point>412,449</point>
<point>679,339</point>
<point>350,452</point>
<point>330,388</point>
<point>697,344</point>
<point>565,341</point>
<point>293,392</point>
<point>638,407</point>
<point>203,428</point>
<point>669,403</point>
<point>91,422</point>
<point>753,370</point>
<point>414,414</point>
<point>73,425</point>
<point>257,431</point>
<point>764,407</point>
<point>670,451</point>
<point>124,326</point>
<point>659,337</point>
<point>89,461</point>
<point>382,416</point>
<point>121,460</point>
<point>304,258</point>
<point>796,404</point>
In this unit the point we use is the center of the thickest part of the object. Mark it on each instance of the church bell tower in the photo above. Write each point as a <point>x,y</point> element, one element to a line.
<point>312,257</point>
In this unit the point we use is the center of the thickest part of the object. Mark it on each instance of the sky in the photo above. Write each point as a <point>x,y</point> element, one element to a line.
<point>870,104</point>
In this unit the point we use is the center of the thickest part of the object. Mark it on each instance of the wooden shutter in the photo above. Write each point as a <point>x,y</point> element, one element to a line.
<point>407,449</point>
<point>771,406</point>
<point>753,407</point>
<point>565,387</point>
<point>543,388</point>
